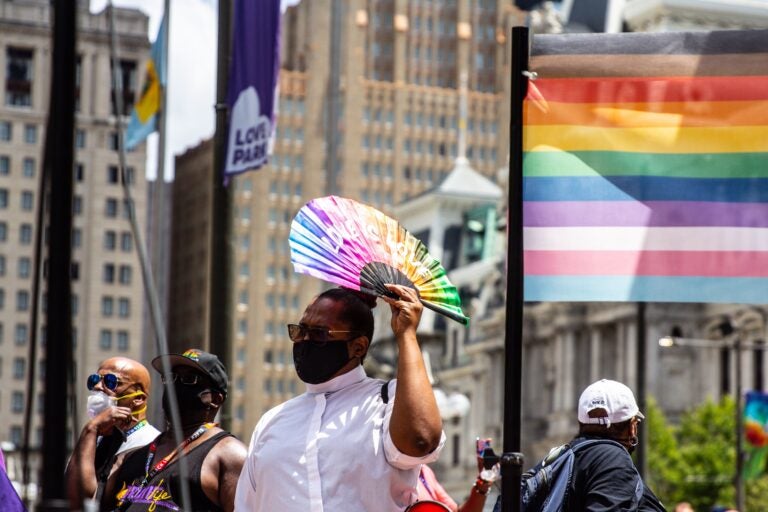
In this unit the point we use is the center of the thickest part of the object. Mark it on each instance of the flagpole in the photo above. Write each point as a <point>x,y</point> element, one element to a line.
<point>220,292</point>
<point>60,149</point>
<point>512,459</point>
<point>158,191</point>
<point>150,289</point>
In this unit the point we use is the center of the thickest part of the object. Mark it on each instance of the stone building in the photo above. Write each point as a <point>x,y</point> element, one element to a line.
<point>106,279</point>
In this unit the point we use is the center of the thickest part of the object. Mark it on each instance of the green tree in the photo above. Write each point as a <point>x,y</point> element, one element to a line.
<point>695,460</point>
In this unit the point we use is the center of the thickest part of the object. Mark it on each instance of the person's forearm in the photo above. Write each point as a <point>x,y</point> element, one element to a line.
<point>86,459</point>
<point>415,426</point>
<point>476,500</point>
<point>80,474</point>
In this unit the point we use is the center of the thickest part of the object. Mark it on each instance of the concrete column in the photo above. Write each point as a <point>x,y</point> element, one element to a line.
<point>594,354</point>
<point>567,372</point>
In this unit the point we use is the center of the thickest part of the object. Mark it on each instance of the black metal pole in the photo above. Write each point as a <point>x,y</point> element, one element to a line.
<point>512,459</point>
<point>220,298</point>
<point>640,454</point>
<point>61,140</point>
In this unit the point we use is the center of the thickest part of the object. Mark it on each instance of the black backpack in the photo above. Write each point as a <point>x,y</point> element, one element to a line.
<point>546,486</point>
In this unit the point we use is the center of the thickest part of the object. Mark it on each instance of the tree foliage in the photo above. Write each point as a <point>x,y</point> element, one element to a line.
<point>695,460</point>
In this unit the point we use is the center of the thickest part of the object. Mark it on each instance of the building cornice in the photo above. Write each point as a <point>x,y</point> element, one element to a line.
<point>655,15</point>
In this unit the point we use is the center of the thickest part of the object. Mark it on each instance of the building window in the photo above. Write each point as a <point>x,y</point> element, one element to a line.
<point>80,139</point>
<point>19,368</point>
<point>22,300</point>
<point>108,274</point>
<point>107,306</point>
<point>110,240</point>
<point>5,165</point>
<point>125,274</point>
<point>3,198</point>
<point>114,141</point>
<point>113,175</point>
<point>3,231</point>
<point>28,168</point>
<point>2,271</point>
<point>27,200</point>
<point>77,205</point>
<point>110,209</point>
<point>25,234</point>
<point>105,339</point>
<point>128,78</point>
<point>30,134</point>
<point>77,237</point>
<point>124,307</point>
<point>24,267</point>
<point>17,402</point>
<point>79,172</point>
<point>16,435</point>
<point>6,131</point>
<point>122,340</point>
<point>126,241</point>
<point>18,77</point>
<point>21,334</point>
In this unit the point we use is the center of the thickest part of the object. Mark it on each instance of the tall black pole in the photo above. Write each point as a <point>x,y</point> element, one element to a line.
<point>334,85</point>
<point>512,459</point>
<point>61,141</point>
<point>220,298</point>
<point>642,459</point>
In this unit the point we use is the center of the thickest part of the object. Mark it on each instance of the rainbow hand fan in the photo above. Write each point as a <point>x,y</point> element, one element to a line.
<point>354,245</point>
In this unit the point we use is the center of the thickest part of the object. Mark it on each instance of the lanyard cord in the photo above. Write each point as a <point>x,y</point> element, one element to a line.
<point>150,474</point>
<point>136,427</point>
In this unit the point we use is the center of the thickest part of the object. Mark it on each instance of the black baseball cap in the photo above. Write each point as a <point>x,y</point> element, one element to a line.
<point>200,360</point>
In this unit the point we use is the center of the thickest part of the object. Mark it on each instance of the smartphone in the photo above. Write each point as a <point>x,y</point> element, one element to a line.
<point>482,444</point>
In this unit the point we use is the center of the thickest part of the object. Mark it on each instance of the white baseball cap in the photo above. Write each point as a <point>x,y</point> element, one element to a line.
<point>616,398</point>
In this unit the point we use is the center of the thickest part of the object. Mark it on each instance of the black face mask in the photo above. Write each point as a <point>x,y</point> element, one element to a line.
<point>316,363</point>
<point>190,403</point>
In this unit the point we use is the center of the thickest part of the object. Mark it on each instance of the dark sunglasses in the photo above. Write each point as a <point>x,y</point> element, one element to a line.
<point>188,379</point>
<point>298,332</point>
<point>110,381</point>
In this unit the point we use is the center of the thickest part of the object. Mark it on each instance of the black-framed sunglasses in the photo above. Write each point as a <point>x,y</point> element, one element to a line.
<point>298,332</point>
<point>188,379</point>
<point>110,381</point>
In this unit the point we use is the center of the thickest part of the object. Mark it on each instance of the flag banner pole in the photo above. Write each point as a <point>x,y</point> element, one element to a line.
<point>512,459</point>
<point>150,289</point>
<point>60,148</point>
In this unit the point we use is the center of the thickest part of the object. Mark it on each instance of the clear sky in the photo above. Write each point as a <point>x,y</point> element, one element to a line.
<point>192,73</point>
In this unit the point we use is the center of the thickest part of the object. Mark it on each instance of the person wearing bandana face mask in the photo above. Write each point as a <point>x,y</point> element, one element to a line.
<point>350,442</point>
<point>604,476</point>
<point>117,406</point>
<point>151,477</point>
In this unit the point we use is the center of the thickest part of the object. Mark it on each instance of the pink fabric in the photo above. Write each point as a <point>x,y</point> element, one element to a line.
<point>433,490</point>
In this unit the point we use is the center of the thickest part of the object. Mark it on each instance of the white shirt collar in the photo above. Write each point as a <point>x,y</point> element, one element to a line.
<point>345,379</point>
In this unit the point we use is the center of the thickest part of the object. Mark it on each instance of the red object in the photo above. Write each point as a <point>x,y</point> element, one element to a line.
<point>427,506</point>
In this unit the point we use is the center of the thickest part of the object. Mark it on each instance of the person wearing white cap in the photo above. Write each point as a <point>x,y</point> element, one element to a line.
<point>604,476</point>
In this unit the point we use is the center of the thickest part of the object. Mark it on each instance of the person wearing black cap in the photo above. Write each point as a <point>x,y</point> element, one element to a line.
<point>150,477</point>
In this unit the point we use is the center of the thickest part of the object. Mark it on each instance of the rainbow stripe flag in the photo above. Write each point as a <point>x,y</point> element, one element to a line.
<point>755,434</point>
<point>646,168</point>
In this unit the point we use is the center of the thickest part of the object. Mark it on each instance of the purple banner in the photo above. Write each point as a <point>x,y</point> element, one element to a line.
<point>252,84</point>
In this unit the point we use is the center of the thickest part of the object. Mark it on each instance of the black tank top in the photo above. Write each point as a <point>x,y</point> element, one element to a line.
<point>163,492</point>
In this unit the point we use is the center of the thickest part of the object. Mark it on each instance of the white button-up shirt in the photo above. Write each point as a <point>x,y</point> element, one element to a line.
<point>329,450</point>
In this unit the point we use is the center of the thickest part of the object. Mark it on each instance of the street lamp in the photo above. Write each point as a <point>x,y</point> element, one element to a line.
<point>734,343</point>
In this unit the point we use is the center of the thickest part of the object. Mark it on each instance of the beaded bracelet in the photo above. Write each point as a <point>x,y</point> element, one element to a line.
<point>482,487</point>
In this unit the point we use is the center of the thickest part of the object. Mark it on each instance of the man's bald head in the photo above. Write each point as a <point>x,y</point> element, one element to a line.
<point>130,374</point>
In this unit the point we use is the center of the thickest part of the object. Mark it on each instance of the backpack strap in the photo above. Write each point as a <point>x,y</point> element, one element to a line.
<point>385,392</point>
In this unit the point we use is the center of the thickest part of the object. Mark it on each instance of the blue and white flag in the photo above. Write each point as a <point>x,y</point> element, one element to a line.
<point>252,84</point>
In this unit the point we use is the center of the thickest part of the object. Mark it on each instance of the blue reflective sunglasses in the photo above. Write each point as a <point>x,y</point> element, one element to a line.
<point>110,381</point>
